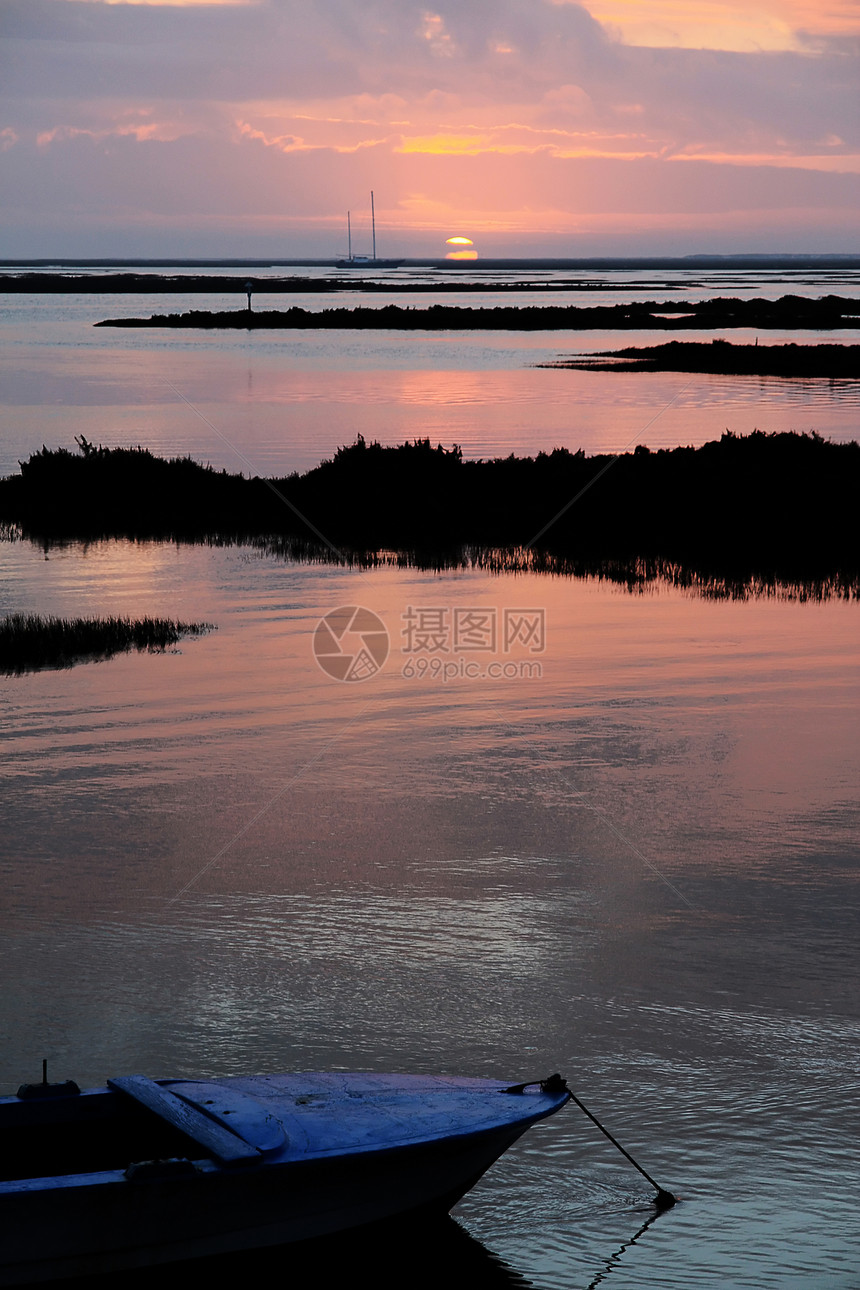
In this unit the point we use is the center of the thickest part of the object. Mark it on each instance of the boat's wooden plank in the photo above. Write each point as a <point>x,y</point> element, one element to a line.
<point>238,1112</point>
<point>212,1137</point>
<point>330,1113</point>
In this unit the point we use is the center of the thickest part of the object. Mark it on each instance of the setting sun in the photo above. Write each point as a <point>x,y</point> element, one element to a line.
<point>460,253</point>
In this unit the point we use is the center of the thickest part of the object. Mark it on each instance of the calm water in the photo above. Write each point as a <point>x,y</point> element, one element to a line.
<point>274,402</point>
<point>631,857</point>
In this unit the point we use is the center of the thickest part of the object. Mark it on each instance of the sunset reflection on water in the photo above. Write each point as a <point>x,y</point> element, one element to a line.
<point>634,861</point>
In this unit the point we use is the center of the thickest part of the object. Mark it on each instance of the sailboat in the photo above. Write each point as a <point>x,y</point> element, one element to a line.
<point>364,261</point>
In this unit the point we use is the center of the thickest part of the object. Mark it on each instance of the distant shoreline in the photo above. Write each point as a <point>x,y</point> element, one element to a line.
<point>210,284</point>
<point>826,313</point>
<point>778,262</point>
<point>104,275</point>
<point>721,356</point>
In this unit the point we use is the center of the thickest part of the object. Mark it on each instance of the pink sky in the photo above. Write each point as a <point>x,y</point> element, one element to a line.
<point>534,127</point>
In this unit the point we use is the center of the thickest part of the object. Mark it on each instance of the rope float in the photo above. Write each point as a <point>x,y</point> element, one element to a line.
<point>555,1084</point>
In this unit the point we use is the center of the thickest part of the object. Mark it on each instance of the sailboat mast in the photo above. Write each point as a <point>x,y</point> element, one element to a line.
<point>373,222</point>
<point>348,236</point>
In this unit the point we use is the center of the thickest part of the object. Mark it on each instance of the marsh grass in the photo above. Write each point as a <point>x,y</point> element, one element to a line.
<point>791,311</point>
<point>753,508</point>
<point>832,362</point>
<point>30,642</point>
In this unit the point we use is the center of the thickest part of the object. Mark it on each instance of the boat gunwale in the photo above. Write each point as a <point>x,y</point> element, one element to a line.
<point>291,1155</point>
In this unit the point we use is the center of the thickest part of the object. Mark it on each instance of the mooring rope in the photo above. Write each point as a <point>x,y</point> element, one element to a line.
<point>555,1084</point>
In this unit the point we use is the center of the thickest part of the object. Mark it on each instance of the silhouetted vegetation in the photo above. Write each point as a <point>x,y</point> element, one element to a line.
<point>787,312</point>
<point>30,642</point>
<point>758,506</point>
<point>129,283</point>
<point>831,361</point>
<point>636,575</point>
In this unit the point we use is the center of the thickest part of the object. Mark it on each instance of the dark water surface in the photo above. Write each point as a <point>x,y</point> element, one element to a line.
<point>631,855</point>
<point>638,867</point>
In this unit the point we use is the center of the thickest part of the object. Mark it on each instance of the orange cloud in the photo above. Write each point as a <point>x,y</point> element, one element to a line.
<point>722,24</point>
<point>561,144</point>
<point>448,145</point>
<point>835,163</point>
<point>295,143</point>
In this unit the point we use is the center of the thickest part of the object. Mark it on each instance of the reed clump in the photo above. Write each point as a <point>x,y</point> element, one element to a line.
<point>32,642</point>
<point>741,506</point>
<point>833,362</point>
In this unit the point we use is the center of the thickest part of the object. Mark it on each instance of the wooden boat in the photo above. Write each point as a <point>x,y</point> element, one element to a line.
<point>146,1171</point>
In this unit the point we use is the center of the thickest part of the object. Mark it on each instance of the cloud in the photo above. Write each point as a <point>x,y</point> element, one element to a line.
<point>726,24</point>
<point>296,106</point>
<point>294,143</point>
<point>162,131</point>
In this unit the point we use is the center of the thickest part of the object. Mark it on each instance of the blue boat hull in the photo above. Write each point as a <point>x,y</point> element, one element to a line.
<point>355,1150</point>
